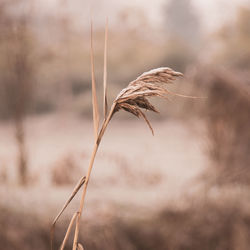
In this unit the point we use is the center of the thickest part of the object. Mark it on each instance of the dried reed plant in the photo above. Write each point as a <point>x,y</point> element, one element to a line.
<point>133,99</point>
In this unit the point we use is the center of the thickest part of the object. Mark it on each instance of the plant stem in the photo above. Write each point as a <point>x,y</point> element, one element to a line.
<point>83,195</point>
<point>68,231</point>
<point>97,143</point>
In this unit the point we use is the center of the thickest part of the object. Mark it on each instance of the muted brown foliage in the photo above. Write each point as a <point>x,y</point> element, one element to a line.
<point>207,226</point>
<point>16,79</point>
<point>228,126</point>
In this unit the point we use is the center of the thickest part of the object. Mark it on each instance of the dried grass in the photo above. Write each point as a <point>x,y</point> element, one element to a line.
<point>133,99</point>
<point>150,84</point>
<point>94,97</point>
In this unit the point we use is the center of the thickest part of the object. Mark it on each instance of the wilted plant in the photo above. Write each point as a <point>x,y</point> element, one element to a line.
<point>133,99</point>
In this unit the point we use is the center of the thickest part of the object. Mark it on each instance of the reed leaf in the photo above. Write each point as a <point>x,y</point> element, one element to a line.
<point>94,96</point>
<point>105,101</point>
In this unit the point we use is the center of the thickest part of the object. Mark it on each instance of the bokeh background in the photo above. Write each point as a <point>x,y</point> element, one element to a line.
<point>185,188</point>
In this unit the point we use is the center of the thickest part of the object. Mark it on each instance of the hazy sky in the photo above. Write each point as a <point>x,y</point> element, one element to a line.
<point>213,13</point>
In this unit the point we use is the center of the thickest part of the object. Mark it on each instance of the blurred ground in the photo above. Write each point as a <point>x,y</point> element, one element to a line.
<point>135,174</point>
<point>145,192</point>
<point>132,167</point>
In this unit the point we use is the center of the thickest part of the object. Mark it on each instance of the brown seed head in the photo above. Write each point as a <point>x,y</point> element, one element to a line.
<point>133,98</point>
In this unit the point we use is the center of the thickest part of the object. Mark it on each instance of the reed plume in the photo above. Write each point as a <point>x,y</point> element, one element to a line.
<point>152,83</point>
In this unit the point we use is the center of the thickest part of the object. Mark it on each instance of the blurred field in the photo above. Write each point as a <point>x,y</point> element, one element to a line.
<point>58,143</point>
<point>137,196</point>
<point>125,182</point>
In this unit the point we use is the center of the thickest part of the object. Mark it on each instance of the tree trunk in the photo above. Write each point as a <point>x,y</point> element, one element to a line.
<point>22,157</point>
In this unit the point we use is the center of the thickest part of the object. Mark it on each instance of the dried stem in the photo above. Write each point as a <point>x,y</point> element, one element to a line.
<point>83,196</point>
<point>105,101</point>
<point>68,231</point>
<point>76,189</point>
<point>97,143</point>
<point>94,97</point>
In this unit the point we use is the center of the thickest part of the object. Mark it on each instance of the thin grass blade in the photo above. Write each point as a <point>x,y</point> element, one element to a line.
<point>68,230</point>
<point>76,189</point>
<point>147,121</point>
<point>105,101</point>
<point>186,96</point>
<point>94,96</point>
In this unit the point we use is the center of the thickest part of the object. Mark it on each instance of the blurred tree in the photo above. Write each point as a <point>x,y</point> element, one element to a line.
<point>182,22</point>
<point>16,69</point>
<point>235,41</point>
<point>184,34</point>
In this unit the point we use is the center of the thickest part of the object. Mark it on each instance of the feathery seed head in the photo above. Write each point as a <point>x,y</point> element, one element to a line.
<point>133,98</point>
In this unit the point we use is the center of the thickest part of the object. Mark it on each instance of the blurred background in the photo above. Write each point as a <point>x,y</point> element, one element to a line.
<point>185,188</point>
